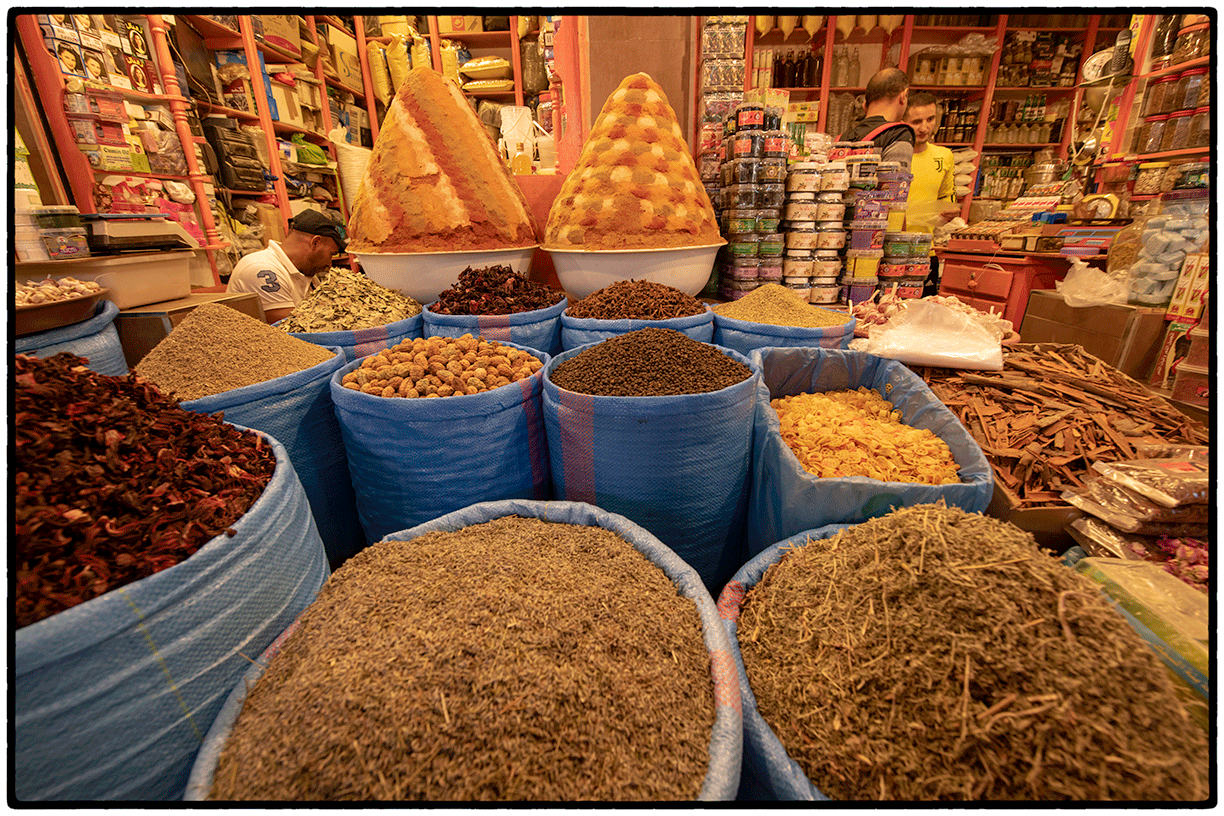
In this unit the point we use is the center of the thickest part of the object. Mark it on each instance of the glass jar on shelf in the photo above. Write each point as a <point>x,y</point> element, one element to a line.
<point>1192,42</point>
<point>1177,129</point>
<point>1200,128</point>
<point>1151,134</point>
<point>1159,93</point>
<point>1189,90</point>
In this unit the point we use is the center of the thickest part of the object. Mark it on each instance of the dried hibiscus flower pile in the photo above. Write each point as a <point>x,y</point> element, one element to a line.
<point>494,290</point>
<point>114,482</point>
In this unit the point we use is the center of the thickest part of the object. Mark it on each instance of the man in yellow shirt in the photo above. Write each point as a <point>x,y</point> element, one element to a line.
<point>932,184</point>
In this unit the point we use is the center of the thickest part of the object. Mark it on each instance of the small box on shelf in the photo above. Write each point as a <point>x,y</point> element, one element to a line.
<point>459,24</point>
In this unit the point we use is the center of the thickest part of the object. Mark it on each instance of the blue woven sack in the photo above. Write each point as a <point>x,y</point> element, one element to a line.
<point>768,771</point>
<point>745,336</point>
<point>297,410</point>
<point>360,343</point>
<point>726,742</point>
<point>412,460</point>
<point>95,339</point>
<point>677,465</point>
<point>579,331</point>
<point>112,697</point>
<point>539,329</point>
<point>787,499</point>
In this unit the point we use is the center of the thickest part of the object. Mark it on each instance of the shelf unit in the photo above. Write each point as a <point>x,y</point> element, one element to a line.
<point>49,84</point>
<point>909,37</point>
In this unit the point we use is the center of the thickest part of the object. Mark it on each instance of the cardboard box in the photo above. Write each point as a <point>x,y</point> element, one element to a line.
<point>1126,337</point>
<point>348,68</point>
<point>288,109</point>
<point>459,23</point>
<point>141,328</point>
<point>282,31</point>
<point>1191,288</point>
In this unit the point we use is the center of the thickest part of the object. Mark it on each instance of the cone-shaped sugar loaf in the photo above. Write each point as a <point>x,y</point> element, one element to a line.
<point>435,181</point>
<point>635,185</point>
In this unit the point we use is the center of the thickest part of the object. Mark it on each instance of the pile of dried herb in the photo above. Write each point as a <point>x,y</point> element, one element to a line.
<point>217,349</point>
<point>649,362</point>
<point>932,654</point>
<point>114,482</point>
<point>517,659</point>
<point>346,300</point>
<point>636,300</point>
<point>494,290</point>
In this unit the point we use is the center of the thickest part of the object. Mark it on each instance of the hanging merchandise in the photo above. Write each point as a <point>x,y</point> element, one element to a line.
<point>812,23</point>
<point>867,22</point>
<point>845,25</point>
<point>764,24</point>
<point>398,62</point>
<point>787,23</point>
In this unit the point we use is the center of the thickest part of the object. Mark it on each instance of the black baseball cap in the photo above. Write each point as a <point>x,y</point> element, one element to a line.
<point>315,223</point>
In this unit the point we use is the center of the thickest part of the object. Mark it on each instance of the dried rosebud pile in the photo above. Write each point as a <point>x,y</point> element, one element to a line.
<point>114,482</point>
<point>636,300</point>
<point>494,290</point>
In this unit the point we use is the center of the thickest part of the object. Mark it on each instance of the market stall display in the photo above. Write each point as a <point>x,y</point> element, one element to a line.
<point>629,305</point>
<point>155,547</point>
<point>618,687</point>
<point>944,693</point>
<point>635,187</point>
<point>435,184</point>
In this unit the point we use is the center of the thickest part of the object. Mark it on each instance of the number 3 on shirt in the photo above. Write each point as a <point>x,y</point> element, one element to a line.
<point>272,285</point>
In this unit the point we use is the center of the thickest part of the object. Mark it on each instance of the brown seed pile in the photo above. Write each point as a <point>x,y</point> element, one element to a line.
<point>649,362</point>
<point>933,654</point>
<point>345,301</point>
<point>636,300</point>
<point>217,349</point>
<point>441,367</point>
<point>516,659</point>
<point>773,303</point>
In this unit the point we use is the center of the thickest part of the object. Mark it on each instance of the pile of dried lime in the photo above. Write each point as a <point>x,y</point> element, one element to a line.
<point>345,301</point>
<point>933,654</point>
<point>517,659</point>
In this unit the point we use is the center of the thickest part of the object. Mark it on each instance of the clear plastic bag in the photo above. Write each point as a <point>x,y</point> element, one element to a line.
<point>1170,482</point>
<point>1086,286</point>
<point>1107,499</point>
<point>932,334</point>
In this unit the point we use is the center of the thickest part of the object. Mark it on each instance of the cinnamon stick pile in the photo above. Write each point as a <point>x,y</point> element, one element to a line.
<point>1051,412</point>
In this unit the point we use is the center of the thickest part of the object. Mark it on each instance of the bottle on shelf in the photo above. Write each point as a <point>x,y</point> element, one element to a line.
<point>815,70</point>
<point>520,162</point>
<point>775,80</point>
<point>788,70</point>
<point>801,68</point>
<point>855,70</point>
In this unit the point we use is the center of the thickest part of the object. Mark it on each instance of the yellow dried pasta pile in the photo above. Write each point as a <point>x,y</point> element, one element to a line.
<point>857,433</point>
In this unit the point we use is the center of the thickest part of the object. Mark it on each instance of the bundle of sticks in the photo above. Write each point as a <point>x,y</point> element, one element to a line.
<point>1051,412</point>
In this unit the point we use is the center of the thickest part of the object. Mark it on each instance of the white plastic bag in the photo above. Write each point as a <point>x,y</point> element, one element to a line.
<point>1087,286</point>
<point>932,334</point>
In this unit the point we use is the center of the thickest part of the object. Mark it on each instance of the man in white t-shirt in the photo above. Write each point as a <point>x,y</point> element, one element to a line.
<point>282,273</point>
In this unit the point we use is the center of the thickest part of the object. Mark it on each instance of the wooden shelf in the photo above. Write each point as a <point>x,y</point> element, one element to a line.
<point>132,93</point>
<point>286,127</point>
<point>1201,62</point>
<point>336,83</point>
<point>209,28</point>
<point>232,113</point>
<point>1035,89</point>
<point>483,39</point>
<point>1165,154</point>
<point>946,88</point>
<point>142,174</point>
<point>245,192</point>
<point>958,30</point>
<point>1019,146</point>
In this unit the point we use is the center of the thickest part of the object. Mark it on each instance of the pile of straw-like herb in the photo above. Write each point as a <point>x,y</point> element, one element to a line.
<point>933,654</point>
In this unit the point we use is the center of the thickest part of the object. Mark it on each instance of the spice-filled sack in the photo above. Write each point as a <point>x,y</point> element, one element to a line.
<point>358,315</point>
<point>95,339</point>
<point>412,458</point>
<point>360,343</point>
<point>677,464</point>
<point>497,303</point>
<point>112,697</point>
<point>595,678</point>
<point>221,360</point>
<point>788,498</point>
<point>773,315</point>
<point>931,687</point>
<point>629,305</point>
<point>538,329</point>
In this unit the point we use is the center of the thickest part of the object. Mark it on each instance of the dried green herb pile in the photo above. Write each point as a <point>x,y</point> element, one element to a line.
<point>649,362</point>
<point>636,300</point>
<point>112,482</point>
<point>217,349</point>
<point>932,654</point>
<point>494,290</point>
<point>346,300</point>
<point>510,660</point>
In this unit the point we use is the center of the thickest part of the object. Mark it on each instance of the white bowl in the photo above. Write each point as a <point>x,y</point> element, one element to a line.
<point>423,276</point>
<point>583,271</point>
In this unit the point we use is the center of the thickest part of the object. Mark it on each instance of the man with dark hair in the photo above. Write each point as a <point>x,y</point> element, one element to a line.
<point>932,200</point>
<point>886,99</point>
<point>283,272</point>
